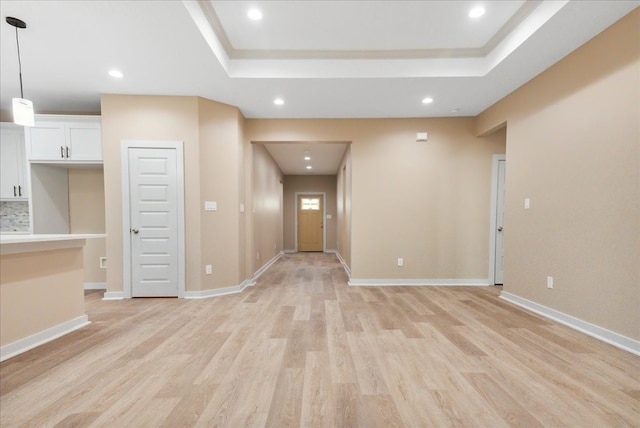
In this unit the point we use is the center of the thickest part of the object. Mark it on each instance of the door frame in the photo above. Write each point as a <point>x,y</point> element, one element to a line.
<point>493,217</point>
<point>324,216</point>
<point>126,208</point>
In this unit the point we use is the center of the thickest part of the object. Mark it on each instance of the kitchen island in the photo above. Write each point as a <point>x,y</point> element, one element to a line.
<point>41,289</point>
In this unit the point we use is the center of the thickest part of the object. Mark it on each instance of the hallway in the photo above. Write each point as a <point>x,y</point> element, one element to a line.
<point>301,348</point>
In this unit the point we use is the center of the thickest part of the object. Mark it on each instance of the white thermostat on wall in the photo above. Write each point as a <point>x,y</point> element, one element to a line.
<point>210,205</point>
<point>421,136</point>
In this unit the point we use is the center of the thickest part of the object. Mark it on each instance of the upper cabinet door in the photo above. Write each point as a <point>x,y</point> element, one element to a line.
<point>65,140</point>
<point>13,183</point>
<point>84,141</point>
<point>46,141</point>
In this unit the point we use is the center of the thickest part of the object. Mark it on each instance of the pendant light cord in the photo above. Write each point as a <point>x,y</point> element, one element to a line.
<point>19,63</point>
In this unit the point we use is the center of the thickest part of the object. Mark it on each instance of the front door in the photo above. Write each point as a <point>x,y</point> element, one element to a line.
<point>499,256</point>
<point>310,222</point>
<point>153,206</point>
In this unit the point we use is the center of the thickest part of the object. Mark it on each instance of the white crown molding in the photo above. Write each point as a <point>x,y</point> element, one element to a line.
<point>23,345</point>
<point>600,333</point>
<point>454,62</point>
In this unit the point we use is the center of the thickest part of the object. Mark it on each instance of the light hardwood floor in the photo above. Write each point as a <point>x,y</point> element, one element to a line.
<point>301,348</point>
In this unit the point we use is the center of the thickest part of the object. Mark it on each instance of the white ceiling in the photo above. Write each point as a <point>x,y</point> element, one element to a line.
<point>360,25</point>
<point>290,157</point>
<point>326,59</point>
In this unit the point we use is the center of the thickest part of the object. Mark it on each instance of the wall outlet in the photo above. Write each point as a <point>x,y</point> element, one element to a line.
<point>208,269</point>
<point>400,262</point>
<point>549,282</point>
<point>103,262</point>
<point>527,203</point>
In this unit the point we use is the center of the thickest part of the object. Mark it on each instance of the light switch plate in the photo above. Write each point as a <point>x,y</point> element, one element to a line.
<point>329,216</point>
<point>241,208</point>
<point>210,206</point>
<point>527,203</point>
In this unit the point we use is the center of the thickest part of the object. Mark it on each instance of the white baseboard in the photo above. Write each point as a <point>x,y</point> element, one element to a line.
<point>608,336</point>
<point>418,282</point>
<point>205,294</point>
<point>347,269</point>
<point>95,285</point>
<point>266,266</point>
<point>42,337</point>
<point>113,295</point>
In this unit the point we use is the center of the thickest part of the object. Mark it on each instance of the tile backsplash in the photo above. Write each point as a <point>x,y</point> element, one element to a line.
<point>14,216</point>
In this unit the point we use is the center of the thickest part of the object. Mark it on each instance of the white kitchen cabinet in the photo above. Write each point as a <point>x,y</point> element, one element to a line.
<point>13,166</point>
<point>63,140</point>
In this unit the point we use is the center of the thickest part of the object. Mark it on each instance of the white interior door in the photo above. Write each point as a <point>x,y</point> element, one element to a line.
<point>153,193</point>
<point>499,256</point>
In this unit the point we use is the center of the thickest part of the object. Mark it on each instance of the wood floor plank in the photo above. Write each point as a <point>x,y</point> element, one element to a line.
<point>506,405</point>
<point>346,404</point>
<point>282,324</point>
<point>286,403</point>
<point>77,420</point>
<point>368,372</point>
<point>302,348</point>
<point>189,409</point>
<point>378,411</point>
<point>317,392</point>
<point>340,360</point>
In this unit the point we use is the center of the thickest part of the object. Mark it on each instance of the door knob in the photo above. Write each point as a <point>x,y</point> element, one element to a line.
<point>500,229</point>
<point>134,231</point>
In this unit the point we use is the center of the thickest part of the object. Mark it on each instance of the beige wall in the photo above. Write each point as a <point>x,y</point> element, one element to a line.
<point>343,208</point>
<point>133,117</point>
<point>213,162</point>
<point>39,290</point>
<point>309,184</point>
<point>573,148</point>
<point>425,202</point>
<point>243,271</point>
<point>266,207</point>
<point>86,215</point>
<point>220,160</point>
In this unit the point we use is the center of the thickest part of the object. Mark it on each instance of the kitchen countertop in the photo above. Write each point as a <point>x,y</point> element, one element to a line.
<point>12,244</point>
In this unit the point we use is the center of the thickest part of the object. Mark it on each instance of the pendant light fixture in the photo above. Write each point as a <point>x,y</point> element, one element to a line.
<point>22,108</point>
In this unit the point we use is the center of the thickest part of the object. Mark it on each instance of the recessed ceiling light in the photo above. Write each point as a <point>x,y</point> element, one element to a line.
<point>308,166</point>
<point>427,100</point>
<point>116,73</point>
<point>254,15</point>
<point>278,101</point>
<point>476,12</point>
<point>307,158</point>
